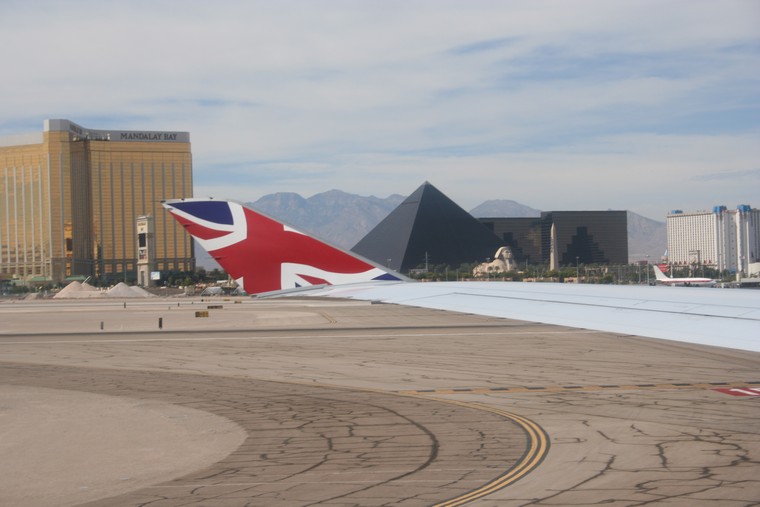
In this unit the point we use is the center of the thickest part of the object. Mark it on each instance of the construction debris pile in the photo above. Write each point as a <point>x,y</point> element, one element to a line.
<point>77,290</point>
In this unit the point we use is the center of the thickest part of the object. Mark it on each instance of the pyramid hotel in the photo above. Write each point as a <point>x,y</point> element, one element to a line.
<point>70,197</point>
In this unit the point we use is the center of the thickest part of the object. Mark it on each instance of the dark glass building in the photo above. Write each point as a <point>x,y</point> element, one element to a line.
<point>585,237</point>
<point>521,235</point>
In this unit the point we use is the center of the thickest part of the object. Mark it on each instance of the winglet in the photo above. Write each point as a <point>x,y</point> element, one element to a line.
<point>265,255</point>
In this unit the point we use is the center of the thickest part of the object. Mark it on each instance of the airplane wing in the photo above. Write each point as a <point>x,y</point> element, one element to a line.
<point>718,317</point>
<point>268,257</point>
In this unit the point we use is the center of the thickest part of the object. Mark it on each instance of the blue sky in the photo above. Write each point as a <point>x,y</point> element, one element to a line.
<point>561,105</point>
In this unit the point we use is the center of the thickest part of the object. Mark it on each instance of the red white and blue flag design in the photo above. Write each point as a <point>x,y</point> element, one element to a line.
<point>264,255</point>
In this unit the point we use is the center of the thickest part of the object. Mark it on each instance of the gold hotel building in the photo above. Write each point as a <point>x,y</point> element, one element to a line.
<point>70,197</point>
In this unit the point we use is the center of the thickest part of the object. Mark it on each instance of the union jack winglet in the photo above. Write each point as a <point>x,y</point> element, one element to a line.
<point>264,255</point>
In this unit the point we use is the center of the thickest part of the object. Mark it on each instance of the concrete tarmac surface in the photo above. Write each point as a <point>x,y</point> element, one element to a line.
<point>326,402</point>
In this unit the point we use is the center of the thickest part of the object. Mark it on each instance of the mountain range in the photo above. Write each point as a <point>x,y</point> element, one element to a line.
<point>342,219</point>
<point>337,217</point>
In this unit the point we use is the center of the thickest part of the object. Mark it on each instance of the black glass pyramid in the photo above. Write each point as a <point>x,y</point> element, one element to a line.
<point>428,226</point>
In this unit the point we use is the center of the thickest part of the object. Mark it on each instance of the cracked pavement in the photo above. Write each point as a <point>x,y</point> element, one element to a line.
<point>314,386</point>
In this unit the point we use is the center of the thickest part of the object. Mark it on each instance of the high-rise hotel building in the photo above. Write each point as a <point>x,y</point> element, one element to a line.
<point>70,197</point>
<point>726,239</point>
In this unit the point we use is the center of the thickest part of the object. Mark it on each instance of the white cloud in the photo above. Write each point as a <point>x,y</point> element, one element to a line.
<point>529,100</point>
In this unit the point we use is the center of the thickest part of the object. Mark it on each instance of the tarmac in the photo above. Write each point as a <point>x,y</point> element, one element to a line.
<point>328,402</point>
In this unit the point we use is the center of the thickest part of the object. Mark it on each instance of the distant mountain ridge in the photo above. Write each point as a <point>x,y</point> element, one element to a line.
<point>503,208</point>
<point>647,239</point>
<point>335,216</point>
<point>343,219</point>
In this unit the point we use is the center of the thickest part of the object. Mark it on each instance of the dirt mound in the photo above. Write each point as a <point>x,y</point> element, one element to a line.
<point>77,290</point>
<point>122,290</point>
<point>141,293</point>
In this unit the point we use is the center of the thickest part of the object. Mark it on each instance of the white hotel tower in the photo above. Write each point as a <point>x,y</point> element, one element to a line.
<point>723,239</point>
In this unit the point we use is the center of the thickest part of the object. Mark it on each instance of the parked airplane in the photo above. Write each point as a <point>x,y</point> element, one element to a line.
<point>686,282</point>
<point>265,255</point>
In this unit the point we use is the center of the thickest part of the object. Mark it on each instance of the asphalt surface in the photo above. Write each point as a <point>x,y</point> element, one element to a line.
<point>309,402</point>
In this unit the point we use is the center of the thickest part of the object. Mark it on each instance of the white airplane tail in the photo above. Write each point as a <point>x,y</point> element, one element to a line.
<point>659,275</point>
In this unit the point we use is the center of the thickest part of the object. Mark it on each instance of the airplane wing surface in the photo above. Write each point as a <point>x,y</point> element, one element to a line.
<point>718,317</point>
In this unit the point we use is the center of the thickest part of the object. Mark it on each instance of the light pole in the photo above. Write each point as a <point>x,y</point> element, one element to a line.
<point>647,270</point>
<point>577,271</point>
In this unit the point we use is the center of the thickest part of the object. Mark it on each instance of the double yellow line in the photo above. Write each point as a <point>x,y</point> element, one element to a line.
<point>538,448</point>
